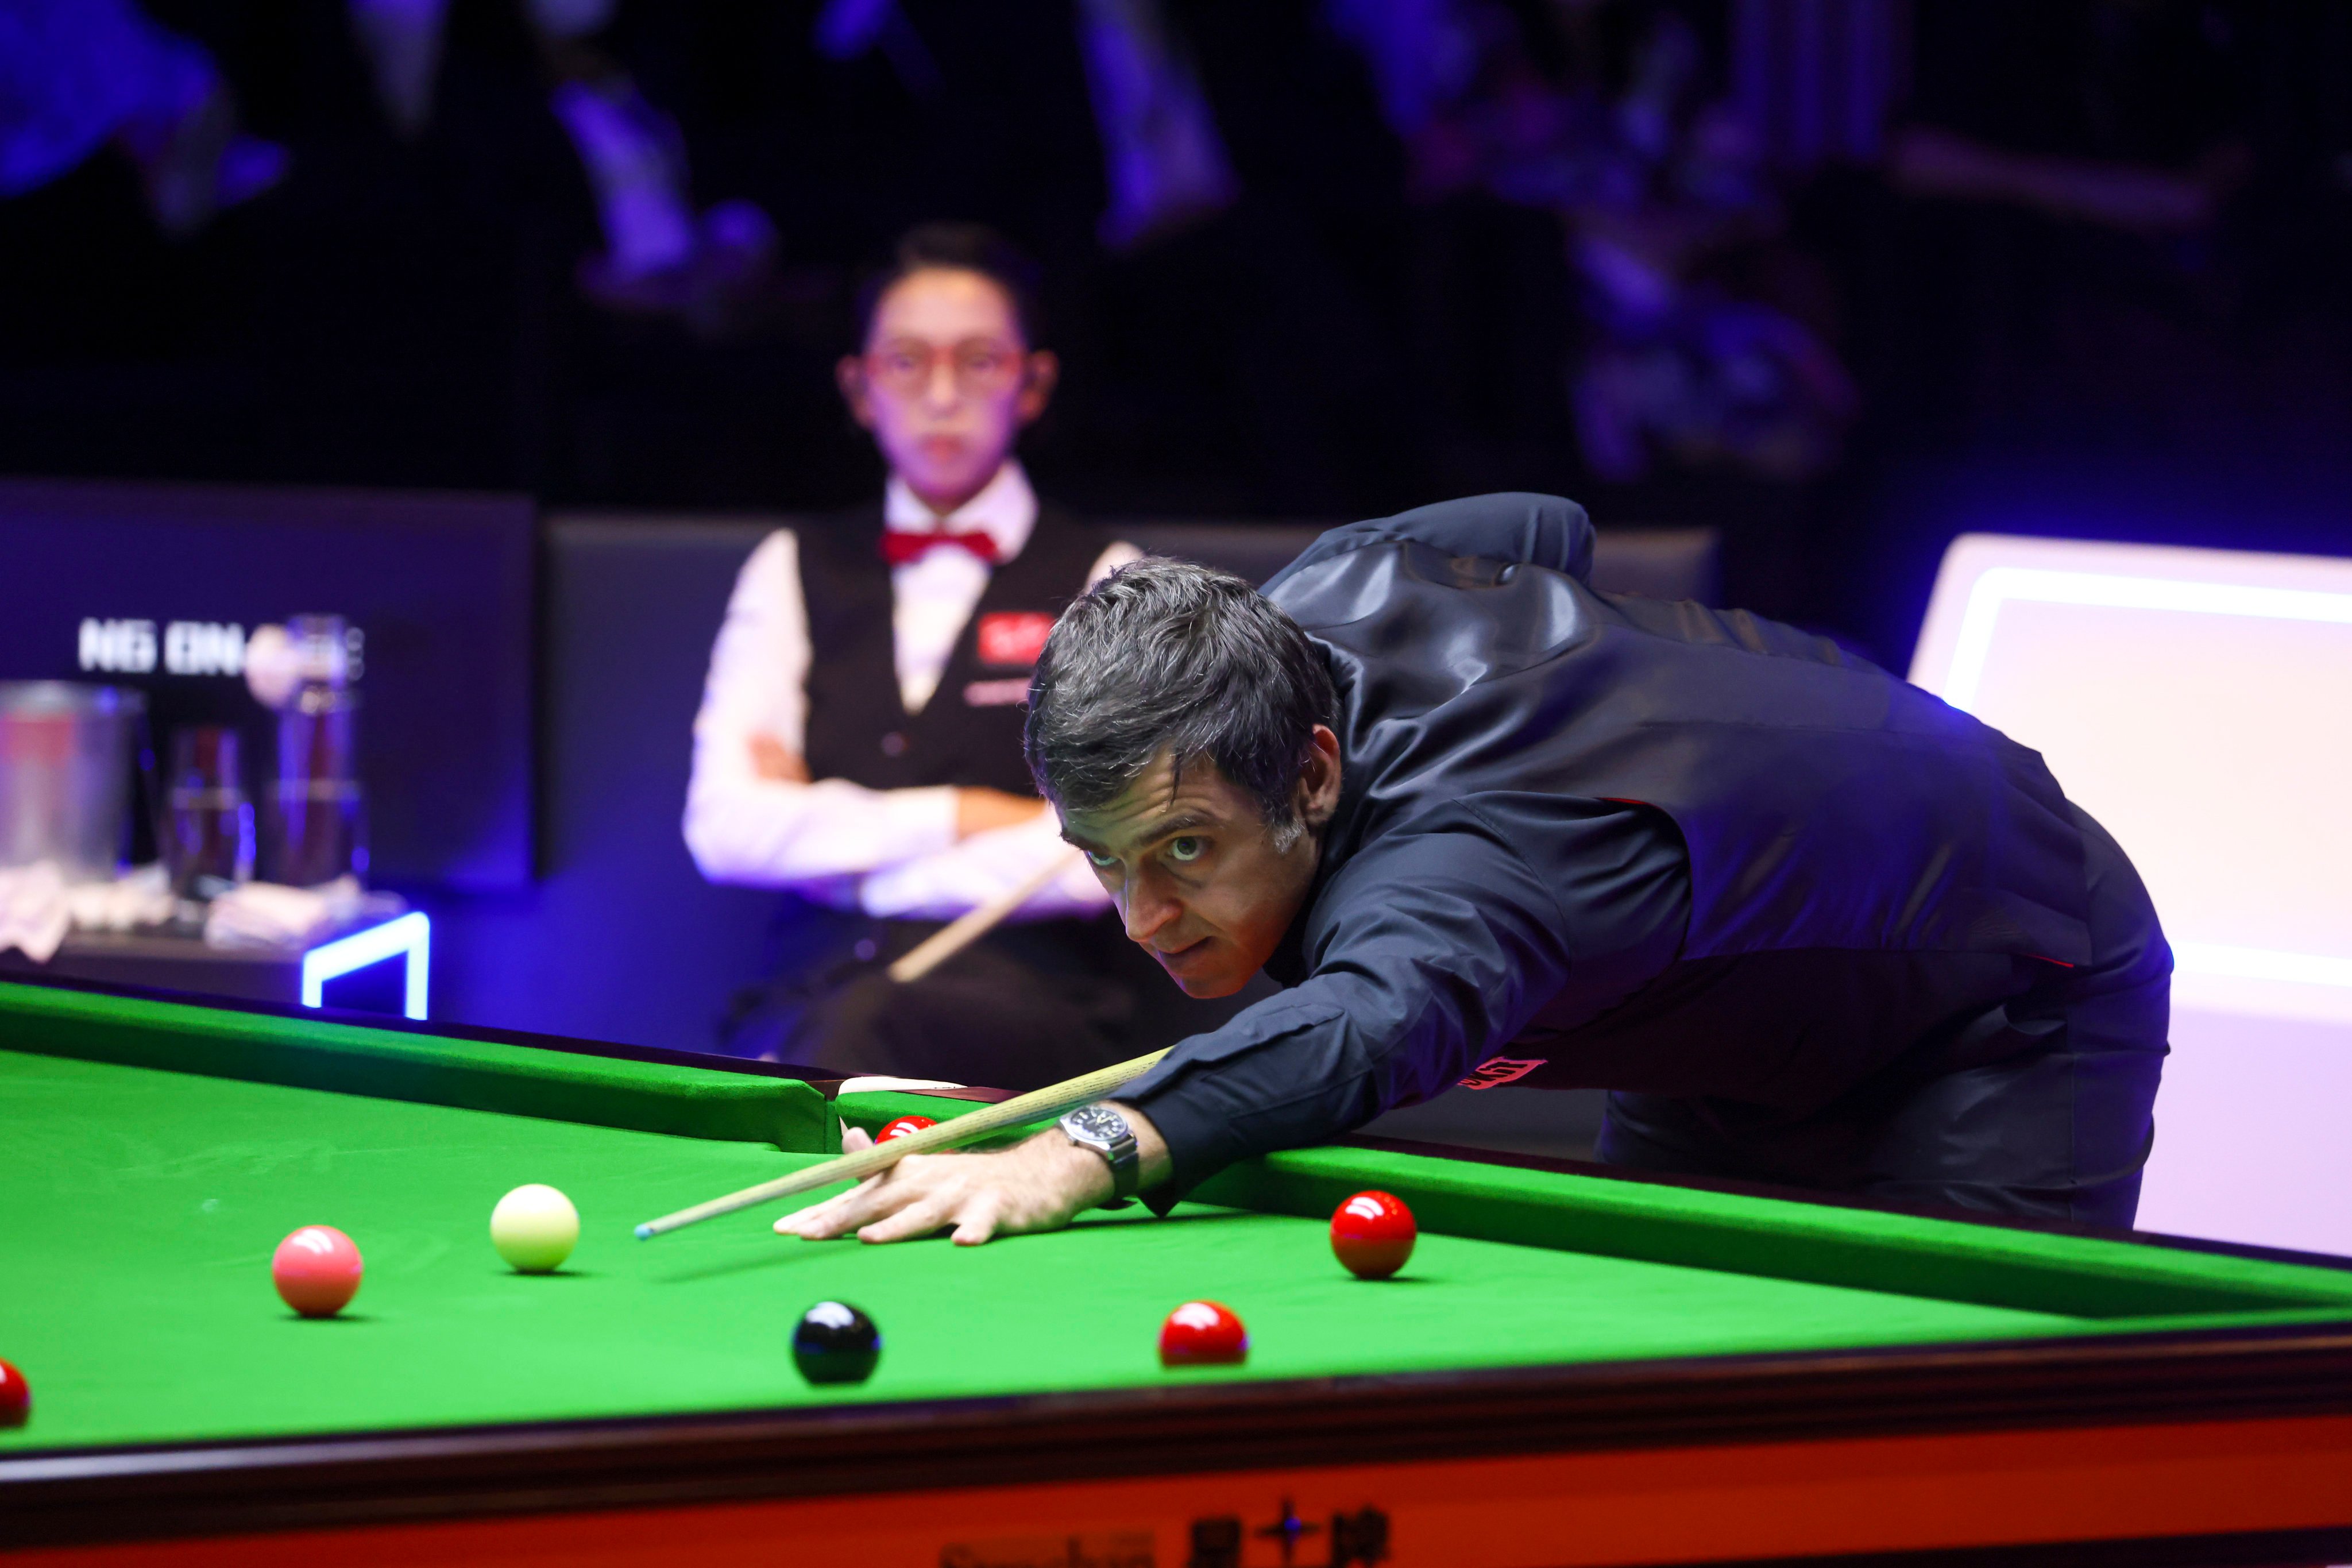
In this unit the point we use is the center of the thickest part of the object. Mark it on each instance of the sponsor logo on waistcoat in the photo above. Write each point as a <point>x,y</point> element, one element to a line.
<point>1014,638</point>
<point>1497,1070</point>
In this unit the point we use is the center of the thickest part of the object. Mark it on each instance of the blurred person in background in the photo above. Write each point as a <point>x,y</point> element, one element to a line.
<point>859,740</point>
<point>2079,183</point>
<point>660,255</point>
<point>1615,120</point>
<point>1164,164</point>
<point>78,75</point>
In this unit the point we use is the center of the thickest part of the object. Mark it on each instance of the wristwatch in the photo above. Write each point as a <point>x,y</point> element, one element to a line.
<point>1106,1132</point>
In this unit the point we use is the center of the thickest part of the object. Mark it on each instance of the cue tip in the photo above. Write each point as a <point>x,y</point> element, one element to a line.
<point>644,1233</point>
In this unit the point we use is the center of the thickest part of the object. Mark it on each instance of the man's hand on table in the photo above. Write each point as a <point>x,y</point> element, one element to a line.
<point>1039,1185</point>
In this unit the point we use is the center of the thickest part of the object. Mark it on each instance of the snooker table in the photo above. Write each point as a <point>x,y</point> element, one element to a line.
<point>1574,1368</point>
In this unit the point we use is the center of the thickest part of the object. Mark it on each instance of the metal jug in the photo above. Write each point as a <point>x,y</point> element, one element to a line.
<point>65,752</point>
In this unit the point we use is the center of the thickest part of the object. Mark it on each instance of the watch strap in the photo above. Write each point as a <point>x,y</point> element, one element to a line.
<point>1126,1169</point>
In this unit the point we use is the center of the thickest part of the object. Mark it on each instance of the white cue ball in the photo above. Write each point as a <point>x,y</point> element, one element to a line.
<point>535,1227</point>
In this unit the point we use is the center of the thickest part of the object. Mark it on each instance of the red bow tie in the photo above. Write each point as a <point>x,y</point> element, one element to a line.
<point>902,549</point>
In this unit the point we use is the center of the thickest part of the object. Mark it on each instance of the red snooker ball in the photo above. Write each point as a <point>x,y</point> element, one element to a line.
<point>1372,1234</point>
<point>906,1126</point>
<point>317,1270</point>
<point>1202,1333</point>
<point>16,1397</point>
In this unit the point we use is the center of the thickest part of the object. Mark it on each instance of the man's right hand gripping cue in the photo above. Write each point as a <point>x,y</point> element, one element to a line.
<point>1041,1184</point>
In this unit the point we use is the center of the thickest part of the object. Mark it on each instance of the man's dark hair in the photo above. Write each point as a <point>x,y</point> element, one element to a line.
<point>1170,656</point>
<point>960,247</point>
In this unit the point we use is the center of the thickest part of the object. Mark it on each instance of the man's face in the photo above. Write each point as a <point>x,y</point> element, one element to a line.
<point>1195,871</point>
<point>946,382</point>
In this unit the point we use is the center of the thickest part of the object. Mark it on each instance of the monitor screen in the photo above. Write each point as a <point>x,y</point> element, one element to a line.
<point>159,586</point>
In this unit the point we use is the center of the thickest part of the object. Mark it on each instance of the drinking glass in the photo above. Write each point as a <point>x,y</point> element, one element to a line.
<point>207,818</point>
<point>65,775</point>
<point>318,810</point>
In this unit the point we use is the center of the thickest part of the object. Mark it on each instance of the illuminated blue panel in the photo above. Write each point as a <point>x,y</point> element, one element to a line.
<point>2000,584</point>
<point>2261,963</point>
<point>411,935</point>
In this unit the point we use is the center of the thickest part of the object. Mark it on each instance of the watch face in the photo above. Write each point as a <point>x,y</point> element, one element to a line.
<point>1098,1121</point>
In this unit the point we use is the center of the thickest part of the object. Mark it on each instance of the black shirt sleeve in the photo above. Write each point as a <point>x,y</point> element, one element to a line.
<point>1426,952</point>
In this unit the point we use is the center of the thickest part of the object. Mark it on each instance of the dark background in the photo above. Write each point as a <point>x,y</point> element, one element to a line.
<point>1348,337</point>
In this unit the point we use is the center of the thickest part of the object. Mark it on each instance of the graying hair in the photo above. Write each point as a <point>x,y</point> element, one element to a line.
<point>1168,656</point>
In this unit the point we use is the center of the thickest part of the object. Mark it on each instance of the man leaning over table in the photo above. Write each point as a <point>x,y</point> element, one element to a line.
<point>1808,924</point>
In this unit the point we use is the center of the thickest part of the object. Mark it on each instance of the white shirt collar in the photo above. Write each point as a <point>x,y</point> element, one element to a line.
<point>1005,510</point>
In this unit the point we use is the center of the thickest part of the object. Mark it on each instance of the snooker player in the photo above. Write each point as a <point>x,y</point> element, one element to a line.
<point>1811,926</point>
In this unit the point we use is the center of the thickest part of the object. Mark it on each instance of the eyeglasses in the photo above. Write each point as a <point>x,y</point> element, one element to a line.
<point>906,366</point>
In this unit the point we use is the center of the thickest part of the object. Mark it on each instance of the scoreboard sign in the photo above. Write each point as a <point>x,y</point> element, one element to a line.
<point>189,648</point>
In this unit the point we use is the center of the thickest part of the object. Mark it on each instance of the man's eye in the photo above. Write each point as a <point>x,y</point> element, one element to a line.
<point>1102,862</point>
<point>1186,848</point>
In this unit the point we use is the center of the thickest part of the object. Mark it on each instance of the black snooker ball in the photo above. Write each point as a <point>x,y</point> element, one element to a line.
<point>835,1343</point>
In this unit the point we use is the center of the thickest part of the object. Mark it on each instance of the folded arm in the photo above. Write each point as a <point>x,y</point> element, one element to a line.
<point>754,815</point>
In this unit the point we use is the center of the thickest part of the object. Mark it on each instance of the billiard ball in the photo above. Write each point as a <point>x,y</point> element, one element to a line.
<point>534,1228</point>
<point>1372,1234</point>
<point>905,1127</point>
<point>835,1343</point>
<point>16,1397</point>
<point>317,1270</point>
<point>1202,1333</point>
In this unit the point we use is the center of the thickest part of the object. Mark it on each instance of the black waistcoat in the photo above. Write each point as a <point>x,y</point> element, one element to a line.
<point>1864,862</point>
<point>1823,802</point>
<point>969,733</point>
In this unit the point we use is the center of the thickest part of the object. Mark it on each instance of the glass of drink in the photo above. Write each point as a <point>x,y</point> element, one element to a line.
<point>65,775</point>
<point>207,818</point>
<point>318,818</point>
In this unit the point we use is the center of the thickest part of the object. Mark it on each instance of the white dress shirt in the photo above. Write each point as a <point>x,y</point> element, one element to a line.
<point>887,852</point>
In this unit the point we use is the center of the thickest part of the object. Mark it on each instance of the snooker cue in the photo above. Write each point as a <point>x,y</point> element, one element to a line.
<point>1083,1090</point>
<point>973,924</point>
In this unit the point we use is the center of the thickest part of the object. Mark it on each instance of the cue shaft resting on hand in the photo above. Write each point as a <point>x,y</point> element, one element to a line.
<point>973,924</point>
<point>1053,1101</point>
